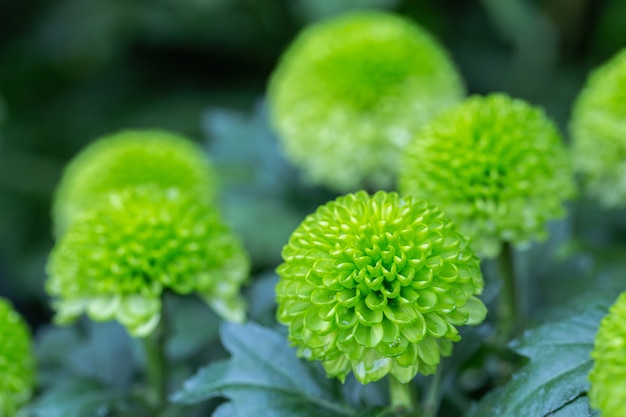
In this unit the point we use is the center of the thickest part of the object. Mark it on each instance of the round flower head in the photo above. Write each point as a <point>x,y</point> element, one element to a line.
<point>349,92</point>
<point>598,131</point>
<point>608,376</point>
<point>496,165</point>
<point>17,365</point>
<point>115,260</point>
<point>128,159</point>
<point>377,285</point>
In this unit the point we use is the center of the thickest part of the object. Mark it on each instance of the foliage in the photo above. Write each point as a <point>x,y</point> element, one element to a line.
<point>256,184</point>
<point>263,373</point>
<point>554,381</point>
<point>85,370</point>
<point>91,369</point>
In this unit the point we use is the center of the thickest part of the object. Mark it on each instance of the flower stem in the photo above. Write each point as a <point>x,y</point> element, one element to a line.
<point>508,306</point>
<point>156,375</point>
<point>433,398</point>
<point>403,398</point>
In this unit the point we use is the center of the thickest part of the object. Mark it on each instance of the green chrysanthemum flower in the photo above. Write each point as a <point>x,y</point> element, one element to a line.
<point>116,259</point>
<point>17,364</point>
<point>598,129</point>
<point>127,159</point>
<point>495,165</point>
<point>377,285</point>
<point>608,376</point>
<point>349,93</point>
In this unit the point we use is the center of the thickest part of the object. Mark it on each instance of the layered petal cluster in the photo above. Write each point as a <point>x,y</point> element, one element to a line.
<point>608,376</point>
<point>496,165</point>
<point>377,285</point>
<point>115,260</point>
<point>131,158</point>
<point>598,129</point>
<point>17,364</point>
<point>349,93</point>
<point>135,215</point>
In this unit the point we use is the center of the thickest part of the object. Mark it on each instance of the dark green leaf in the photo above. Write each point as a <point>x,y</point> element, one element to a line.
<point>556,375</point>
<point>380,412</point>
<point>85,370</point>
<point>79,398</point>
<point>246,151</point>
<point>101,352</point>
<point>254,177</point>
<point>262,298</point>
<point>186,315</point>
<point>487,405</point>
<point>579,408</point>
<point>262,374</point>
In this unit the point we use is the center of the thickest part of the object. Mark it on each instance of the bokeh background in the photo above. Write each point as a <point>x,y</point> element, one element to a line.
<point>73,70</point>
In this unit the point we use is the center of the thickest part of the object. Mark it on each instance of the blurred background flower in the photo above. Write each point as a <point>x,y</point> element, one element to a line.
<point>118,257</point>
<point>17,362</point>
<point>130,159</point>
<point>598,131</point>
<point>495,165</point>
<point>349,93</point>
<point>608,375</point>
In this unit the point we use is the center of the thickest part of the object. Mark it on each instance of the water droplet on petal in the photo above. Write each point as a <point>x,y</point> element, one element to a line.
<point>395,343</point>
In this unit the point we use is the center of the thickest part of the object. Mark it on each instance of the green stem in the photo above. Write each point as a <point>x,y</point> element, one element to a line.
<point>403,397</point>
<point>156,375</point>
<point>432,399</point>
<point>508,306</point>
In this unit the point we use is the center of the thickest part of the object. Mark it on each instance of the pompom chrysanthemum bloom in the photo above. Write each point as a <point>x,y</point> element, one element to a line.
<point>496,165</point>
<point>17,364</point>
<point>349,92</point>
<point>608,376</point>
<point>115,260</point>
<point>598,129</point>
<point>376,285</point>
<point>127,159</point>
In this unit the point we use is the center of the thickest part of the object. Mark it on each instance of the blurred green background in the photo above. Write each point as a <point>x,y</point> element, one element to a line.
<point>72,70</point>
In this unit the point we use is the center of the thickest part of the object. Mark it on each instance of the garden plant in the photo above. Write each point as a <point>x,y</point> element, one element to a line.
<point>379,238</point>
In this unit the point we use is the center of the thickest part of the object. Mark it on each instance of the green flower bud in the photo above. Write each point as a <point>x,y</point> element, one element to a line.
<point>127,159</point>
<point>17,364</point>
<point>116,259</point>
<point>608,376</point>
<point>599,133</point>
<point>495,165</point>
<point>377,285</point>
<point>349,92</point>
